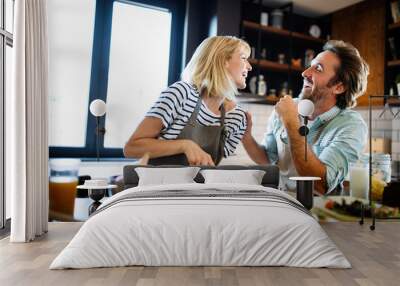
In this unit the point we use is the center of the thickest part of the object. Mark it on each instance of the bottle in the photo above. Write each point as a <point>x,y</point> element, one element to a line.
<point>252,84</point>
<point>263,53</point>
<point>272,93</point>
<point>253,53</point>
<point>264,19</point>
<point>262,86</point>
<point>284,89</point>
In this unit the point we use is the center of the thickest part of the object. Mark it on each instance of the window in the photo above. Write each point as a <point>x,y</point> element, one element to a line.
<point>70,30</point>
<point>128,52</point>
<point>138,69</point>
<point>6,43</point>
<point>9,18</point>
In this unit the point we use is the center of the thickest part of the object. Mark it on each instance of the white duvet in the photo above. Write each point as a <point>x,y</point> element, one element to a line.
<point>207,230</point>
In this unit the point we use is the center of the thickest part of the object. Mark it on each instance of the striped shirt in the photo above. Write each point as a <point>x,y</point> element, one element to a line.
<point>175,106</point>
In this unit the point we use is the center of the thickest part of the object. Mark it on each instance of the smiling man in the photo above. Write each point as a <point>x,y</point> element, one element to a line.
<point>336,77</point>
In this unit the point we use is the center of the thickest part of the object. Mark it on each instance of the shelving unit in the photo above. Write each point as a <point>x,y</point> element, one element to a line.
<point>371,206</point>
<point>291,40</point>
<point>394,26</point>
<point>247,97</point>
<point>392,54</point>
<point>393,63</point>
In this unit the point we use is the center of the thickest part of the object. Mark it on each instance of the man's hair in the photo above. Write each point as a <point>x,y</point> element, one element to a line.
<point>207,67</point>
<point>352,72</point>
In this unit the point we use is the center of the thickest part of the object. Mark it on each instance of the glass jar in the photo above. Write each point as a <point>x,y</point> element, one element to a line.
<point>63,181</point>
<point>381,165</point>
<point>277,18</point>
<point>272,92</point>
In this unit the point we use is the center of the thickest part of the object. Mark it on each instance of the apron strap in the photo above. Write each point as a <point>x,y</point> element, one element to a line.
<point>222,138</point>
<point>193,117</point>
<point>222,109</point>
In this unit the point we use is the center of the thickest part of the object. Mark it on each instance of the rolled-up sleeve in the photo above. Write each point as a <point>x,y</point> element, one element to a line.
<point>346,147</point>
<point>237,128</point>
<point>269,141</point>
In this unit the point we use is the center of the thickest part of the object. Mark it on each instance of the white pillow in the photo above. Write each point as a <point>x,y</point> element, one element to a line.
<point>164,176</point>
<point>248,177</point>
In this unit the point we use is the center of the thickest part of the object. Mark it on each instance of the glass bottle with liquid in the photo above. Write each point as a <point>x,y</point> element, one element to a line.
<point>262,86</point>
<point>63,181</point>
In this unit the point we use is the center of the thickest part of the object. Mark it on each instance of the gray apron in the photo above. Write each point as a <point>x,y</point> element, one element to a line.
<point>210,138</point>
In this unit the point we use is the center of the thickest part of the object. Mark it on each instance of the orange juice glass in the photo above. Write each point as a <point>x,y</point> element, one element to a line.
<point>62,188</point>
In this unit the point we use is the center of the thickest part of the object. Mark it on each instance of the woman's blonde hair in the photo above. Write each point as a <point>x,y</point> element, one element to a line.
<point>207,67</point>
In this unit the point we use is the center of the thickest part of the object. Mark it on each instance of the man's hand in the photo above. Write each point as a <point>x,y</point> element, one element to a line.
<point>286,108</point>
<point>195,155</point>
<point>247,134</point>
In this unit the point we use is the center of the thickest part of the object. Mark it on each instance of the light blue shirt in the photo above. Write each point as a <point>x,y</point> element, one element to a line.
<point>337,137</point>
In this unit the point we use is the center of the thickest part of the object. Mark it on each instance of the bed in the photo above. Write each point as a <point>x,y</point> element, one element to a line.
<point>201,224</point>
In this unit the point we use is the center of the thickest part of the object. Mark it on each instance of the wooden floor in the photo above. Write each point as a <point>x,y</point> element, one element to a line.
<point>374,255</point>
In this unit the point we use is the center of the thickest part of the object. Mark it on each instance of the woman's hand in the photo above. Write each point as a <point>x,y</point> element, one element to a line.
<point>195,155</point>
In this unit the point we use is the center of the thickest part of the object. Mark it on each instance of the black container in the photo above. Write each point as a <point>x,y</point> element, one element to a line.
<point>304,193</point>
<point>305,190</point>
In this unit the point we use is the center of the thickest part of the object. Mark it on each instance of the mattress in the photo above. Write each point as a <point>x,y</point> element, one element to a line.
<point>201,225</point>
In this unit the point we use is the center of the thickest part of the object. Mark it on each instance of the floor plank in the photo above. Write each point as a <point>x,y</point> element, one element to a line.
<point>374,255</point>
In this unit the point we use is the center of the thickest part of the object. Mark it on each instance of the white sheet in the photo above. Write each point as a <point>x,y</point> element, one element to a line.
<point>200,231</point>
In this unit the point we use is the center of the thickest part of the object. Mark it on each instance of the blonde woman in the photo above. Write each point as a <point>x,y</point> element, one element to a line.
<point>196,121</point>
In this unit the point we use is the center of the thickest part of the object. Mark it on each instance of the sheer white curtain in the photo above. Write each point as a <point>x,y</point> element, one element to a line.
<point>26,119</point>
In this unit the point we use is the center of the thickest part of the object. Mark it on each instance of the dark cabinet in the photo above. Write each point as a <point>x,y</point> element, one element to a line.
<point>282,45</point>
<point>392,51</point>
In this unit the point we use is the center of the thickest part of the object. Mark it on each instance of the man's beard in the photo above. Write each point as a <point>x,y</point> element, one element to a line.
<point>315,95</point>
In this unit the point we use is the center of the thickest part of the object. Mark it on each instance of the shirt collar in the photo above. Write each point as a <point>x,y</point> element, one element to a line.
<point>327,115</point>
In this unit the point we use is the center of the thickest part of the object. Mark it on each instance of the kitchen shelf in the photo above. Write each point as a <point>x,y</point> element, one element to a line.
<point>393,101</point>
<point>247,97</point>
<point>393,63</point>
<point>394,26</point>
<point>274,66</point>
<point>281,32</point>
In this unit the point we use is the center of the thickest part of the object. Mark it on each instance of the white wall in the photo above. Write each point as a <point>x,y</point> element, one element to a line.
<point>103,169</point>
